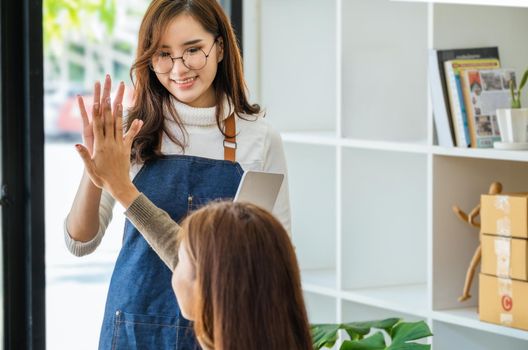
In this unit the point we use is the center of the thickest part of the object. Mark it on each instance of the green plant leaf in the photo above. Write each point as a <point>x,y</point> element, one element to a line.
<point>324,335</point>
<point>373,342</point>
<point>523,80</point>
<point>363,328</point>
<point>404,332</point>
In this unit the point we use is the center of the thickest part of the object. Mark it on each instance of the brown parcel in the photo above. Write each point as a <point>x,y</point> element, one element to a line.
<point>503,301</point>
<point>504,215</point>
<point>504,257</point>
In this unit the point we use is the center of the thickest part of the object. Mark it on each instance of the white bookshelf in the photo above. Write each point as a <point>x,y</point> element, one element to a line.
<point>345,81</point>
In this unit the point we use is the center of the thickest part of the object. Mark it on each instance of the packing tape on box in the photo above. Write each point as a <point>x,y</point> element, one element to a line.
<point>503,254</point>
<point>502,203</point>
<point>504,226</point>
<point>506,297</point>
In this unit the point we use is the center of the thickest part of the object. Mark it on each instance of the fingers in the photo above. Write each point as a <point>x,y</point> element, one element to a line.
<point>88,164</point>
<point>132,133</point>
<point>106,88</point>
<point>97,98</point>
<point>119,96</point>
<point>109,126</point>
<point>104,101</point>
<point>85,155</point>
<point>84,115</point>
<point>98,128</point>
<point>118,122</point>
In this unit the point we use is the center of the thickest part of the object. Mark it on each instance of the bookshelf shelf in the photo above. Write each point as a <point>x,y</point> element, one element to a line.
<point>492,154</point>
<point>468,317</point>
<point>408,299</point>
<point>390,146</point>
<point>329,139</point>
<point>371,192</point>
<point>509,3</point>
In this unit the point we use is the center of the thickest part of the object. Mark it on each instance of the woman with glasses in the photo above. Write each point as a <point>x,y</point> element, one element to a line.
<point>199,134</point>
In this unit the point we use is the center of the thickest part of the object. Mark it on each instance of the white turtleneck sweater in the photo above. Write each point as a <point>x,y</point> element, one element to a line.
<point>259,147</point>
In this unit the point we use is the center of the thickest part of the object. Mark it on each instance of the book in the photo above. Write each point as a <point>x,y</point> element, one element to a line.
<point>438,86</point>
<point>484,91</point>
<point>455,96</point>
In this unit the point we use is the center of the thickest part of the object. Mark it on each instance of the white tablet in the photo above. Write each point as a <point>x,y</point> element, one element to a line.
<point>259,188</point>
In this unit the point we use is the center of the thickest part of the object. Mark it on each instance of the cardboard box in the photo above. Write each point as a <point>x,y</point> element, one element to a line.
<point>504,215</point>
<point>504,257</point>
<point>503,301</point>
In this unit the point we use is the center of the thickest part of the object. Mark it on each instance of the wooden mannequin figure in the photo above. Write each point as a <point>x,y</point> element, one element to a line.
<point>495,188</point>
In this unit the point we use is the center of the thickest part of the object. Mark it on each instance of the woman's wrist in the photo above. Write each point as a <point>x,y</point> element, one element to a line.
<point>125,194</point>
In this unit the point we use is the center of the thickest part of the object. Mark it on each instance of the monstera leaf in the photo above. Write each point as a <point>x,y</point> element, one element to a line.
<point>402,334</point>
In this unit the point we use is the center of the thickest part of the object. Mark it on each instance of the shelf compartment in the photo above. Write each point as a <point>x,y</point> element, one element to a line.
<point>357,312</point>
<point>320,281</point>
<point>459,26</point>
<point>312,184</point>
<point>321,309</point>
<point>384,84</point>
<point>405,299</point>
<point>384,232</point>
<point>470,334</point>
<point>461,181</point>
<point>298,64</point>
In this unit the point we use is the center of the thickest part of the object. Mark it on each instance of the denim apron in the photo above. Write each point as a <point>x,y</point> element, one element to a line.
<point>141,308</point>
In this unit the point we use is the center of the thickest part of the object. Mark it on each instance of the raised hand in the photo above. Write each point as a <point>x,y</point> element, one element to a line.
<point>87,128</point>
<point>108,164</point>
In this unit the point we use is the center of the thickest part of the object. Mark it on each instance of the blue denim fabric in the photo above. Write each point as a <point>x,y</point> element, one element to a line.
<point>141,309</point>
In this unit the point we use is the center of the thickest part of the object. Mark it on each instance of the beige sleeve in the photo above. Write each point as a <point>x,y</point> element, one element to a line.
<point>78,248</point>
<point>157,227</point>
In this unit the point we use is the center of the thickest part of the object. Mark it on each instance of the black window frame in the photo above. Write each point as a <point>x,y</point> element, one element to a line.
<point>22,199</point>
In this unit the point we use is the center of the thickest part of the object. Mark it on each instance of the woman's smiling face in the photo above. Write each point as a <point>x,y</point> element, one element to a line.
<point>193,87</point>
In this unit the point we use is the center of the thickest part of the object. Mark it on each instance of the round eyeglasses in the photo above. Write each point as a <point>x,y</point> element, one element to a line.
<point>193,58</point>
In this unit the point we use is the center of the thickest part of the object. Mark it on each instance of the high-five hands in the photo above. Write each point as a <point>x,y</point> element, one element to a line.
<point>106,153</point>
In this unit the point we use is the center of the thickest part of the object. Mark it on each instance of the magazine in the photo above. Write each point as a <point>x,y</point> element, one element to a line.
<point>484,92</point>
<point>456,98</point>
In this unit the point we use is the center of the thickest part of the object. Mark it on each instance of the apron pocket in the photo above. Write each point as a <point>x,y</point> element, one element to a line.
<point>148,332</point>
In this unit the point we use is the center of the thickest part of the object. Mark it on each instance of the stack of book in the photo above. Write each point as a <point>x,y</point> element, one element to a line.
<point>467,87</point>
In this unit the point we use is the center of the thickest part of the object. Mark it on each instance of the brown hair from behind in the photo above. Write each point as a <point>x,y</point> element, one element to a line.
<point>248,280</point>
<point>152,100</point>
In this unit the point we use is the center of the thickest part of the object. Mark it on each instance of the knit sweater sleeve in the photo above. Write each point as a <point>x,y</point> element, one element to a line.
<point>157,227</point>
<point>79,248</point>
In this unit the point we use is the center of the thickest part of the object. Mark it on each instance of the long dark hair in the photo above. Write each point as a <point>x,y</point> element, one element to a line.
<point>249,285</point>
<point>152,100</point>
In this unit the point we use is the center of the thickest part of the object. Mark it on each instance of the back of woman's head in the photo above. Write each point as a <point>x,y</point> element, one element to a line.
<point>248,278</point>
<point>152,100</point>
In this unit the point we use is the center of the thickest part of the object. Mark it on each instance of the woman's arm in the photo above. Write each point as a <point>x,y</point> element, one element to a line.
<point>83,223</point>
<point>159,230</point>
<point>108,167</point>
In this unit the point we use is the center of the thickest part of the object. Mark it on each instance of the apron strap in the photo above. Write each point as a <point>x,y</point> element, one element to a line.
<point>230,144</point>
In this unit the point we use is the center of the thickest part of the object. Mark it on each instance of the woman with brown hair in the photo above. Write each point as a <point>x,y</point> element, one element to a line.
<point>199,134</point>
<point>235,273</point>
